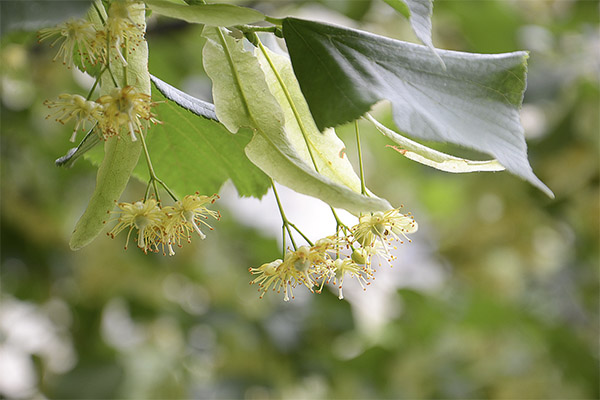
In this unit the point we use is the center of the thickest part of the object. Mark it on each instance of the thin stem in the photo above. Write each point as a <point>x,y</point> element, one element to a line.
<point>363,188</point>
<point>251,28</point>
<point>125,64</point>
<point>108,61</point>
<point>112,76</point>
<point>147,189</point>
<point>301,234</point>
<point>274,21</point>
<point>286,223</point>
<point>153,176</point>
<point>89,96</point>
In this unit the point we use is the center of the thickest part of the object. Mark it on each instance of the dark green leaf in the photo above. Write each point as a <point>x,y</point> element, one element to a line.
<point>473,102</point>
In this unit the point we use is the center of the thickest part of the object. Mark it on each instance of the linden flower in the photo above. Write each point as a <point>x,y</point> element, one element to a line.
<point>125,107</point>
<point>348,266</point>
<point>74,106</point>
<point>73,33</point>
<point>145,216</point>
<point>188,215</point>
<point>383,227</point>
<point>269,275</point>
<point>121,28</point>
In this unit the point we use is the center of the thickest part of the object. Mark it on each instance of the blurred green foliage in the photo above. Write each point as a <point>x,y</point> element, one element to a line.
<point>515,316</point>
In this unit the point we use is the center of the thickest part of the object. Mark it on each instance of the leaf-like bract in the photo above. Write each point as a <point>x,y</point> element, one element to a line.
<point>208,14</point>
<point>433,158</point>
<point>243,99</point>
<point>473,102</point>
<point>120,153</point>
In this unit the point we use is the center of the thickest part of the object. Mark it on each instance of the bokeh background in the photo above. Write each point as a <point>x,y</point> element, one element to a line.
<point>496,298</point>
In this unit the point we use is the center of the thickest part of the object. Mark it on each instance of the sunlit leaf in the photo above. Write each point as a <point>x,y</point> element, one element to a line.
<point>242,98</point>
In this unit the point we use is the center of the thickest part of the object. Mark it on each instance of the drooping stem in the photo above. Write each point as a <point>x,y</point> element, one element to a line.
<point>89,96</point>
<point>286,223</point>
<point>274,21</point>
<point>363,188</point>
<point>153,178</point>
<point>125,63</point>
<point>303,129</point>
<point>252,28</point>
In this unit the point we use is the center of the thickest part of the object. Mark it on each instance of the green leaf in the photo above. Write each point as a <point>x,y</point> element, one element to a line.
<point>31,15</point>
<point>400,6</point>
<point>474,102</point>
<point>422,154</point>
<point>208,14</point>
<point>242,98</point>
<point>192,154</point>
<point>326,149</point>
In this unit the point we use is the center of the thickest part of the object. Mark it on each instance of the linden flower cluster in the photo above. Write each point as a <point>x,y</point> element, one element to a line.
<point>121,108</point>
<point>314,266</point>
<point>163,227</point>
<point>93,42</point>
<point>97,43</point>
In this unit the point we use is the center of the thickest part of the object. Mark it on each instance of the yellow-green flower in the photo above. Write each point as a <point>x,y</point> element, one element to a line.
<point>146,217</point>
<point>384,227</point>
<point>348,266</point>
<point>77,34</point>
<point>125,107</point>
<point>121,29</point>
<point>74,106</point>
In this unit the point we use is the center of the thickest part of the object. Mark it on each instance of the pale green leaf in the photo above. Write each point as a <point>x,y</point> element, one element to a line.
<point>242,98</point>
<point>327,150</point>
<point>433,158</point>
<point>208,14</point>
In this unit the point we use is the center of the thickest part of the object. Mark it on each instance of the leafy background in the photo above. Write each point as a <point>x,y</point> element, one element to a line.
<point>497,296</point>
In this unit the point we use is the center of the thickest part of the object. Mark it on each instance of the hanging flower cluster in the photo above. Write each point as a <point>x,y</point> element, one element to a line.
<point>121,108</point>
<point>163,227</point>
<point>93,42</point>
<point>96,43</point>
<point>324,261</point>
<point>100,44</point>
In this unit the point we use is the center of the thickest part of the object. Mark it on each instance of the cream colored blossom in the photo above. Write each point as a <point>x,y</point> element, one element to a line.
<point>75,107</point>
<point>188,215</point>
<point>75,34</point>
<point>341,267</point>
<point>125,107</point>
<point>122,31</point>
<point>146,217</point>
<point>384,227</point>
